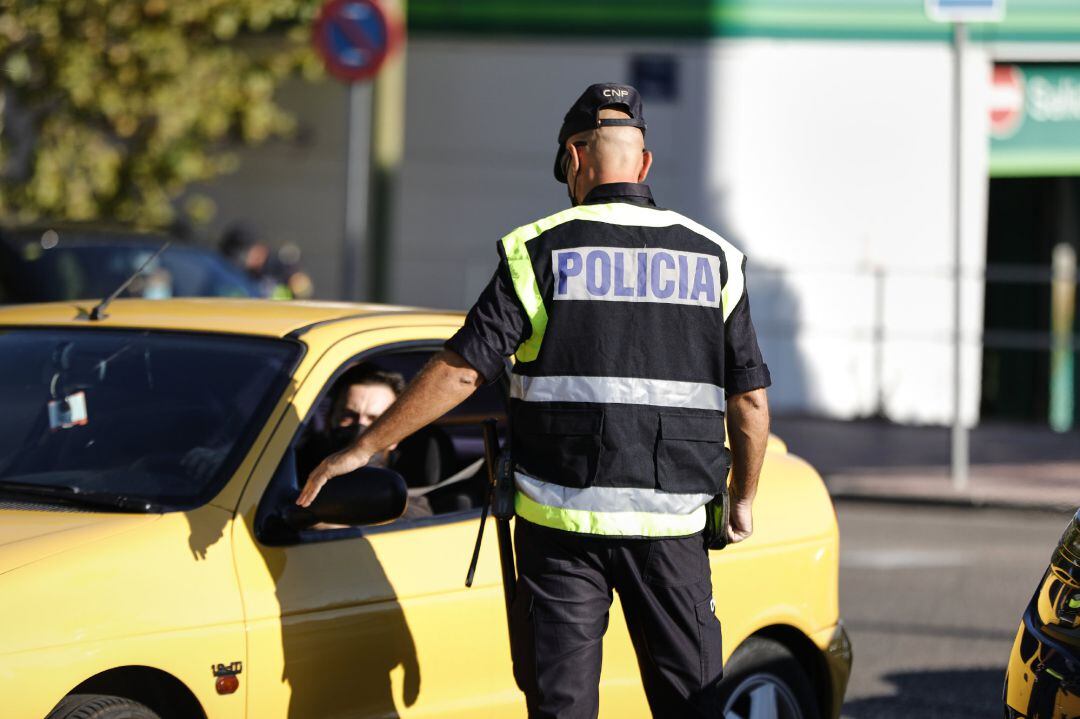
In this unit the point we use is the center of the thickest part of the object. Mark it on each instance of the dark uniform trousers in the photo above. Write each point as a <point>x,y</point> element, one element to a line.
<point>560,614</point>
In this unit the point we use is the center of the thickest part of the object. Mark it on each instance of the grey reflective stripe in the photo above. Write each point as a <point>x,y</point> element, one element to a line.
<point>609,499</point>
<point>618,390</point>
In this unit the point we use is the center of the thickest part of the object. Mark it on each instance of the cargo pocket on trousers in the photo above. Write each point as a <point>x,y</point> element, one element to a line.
<point>711,643</point>
<point>559,445</point>
<point>690,453</point>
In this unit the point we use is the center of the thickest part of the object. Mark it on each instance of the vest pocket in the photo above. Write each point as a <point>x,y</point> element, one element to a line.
<point>560,445</point>
<point>690,453</point>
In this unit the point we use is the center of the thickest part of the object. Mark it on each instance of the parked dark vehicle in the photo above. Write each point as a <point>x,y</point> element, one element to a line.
<point>1043,678</point>
<point>56,263</point>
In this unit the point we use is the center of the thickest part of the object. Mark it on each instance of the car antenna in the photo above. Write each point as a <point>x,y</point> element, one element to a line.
<point>98,313</point>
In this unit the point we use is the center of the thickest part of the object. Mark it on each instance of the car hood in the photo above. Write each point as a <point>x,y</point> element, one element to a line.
<point>29,535</point>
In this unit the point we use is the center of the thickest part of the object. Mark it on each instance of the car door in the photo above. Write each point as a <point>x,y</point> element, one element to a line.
<point>376,621</point>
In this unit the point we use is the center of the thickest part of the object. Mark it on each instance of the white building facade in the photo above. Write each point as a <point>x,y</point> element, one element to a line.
<point>816,137</point>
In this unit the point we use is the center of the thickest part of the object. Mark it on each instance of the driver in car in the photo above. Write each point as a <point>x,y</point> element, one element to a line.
<point>360,396</point>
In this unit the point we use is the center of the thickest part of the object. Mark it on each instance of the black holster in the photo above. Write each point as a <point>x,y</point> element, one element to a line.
<point>502,498</point>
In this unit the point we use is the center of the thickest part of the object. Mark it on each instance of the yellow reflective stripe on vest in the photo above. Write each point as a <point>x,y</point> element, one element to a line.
<point>612,524</point>
<point>615,213</point>
<point>528,292</point>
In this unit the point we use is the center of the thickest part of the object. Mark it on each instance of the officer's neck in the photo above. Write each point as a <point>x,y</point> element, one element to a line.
<point>587,185</point>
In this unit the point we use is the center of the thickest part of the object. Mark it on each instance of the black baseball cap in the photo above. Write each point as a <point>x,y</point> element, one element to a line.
<point>584,114</point>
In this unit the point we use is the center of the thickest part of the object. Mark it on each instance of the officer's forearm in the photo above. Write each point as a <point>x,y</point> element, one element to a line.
<point>748,433</point>
<point>445,382</point>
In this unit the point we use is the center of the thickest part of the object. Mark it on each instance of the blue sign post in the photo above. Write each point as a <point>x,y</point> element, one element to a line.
<point>354,38</point>
<point>966,10</point>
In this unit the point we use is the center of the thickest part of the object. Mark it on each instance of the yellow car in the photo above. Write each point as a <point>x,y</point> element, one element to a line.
<point>152,563</point>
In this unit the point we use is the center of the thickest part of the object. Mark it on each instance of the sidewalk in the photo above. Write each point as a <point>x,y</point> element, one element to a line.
<point>1012,465</point>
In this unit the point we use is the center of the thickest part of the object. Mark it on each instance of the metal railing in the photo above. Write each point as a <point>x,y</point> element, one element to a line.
<point>1061,340</point>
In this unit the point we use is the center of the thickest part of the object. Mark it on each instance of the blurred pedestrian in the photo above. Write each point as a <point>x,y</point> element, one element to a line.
<point>241,244</point>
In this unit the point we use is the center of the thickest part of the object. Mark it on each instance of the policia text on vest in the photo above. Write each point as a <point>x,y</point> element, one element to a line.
<point>630,326</point>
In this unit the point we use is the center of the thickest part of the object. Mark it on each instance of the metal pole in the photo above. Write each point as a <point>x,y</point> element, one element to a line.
<point>387,149</point>
<point>960,459</point>
<point>1062,314</point>
<point>879,340</point>
<point>355,241</point>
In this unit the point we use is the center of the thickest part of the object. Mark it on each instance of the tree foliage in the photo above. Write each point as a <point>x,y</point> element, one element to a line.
<point>110,108</point>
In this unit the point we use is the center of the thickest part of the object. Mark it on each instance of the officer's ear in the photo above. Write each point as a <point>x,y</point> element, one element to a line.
<point>574,153</point>
<point>646,163</point>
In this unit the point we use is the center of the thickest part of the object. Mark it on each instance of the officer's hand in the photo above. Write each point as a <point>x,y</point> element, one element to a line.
<point>740,521</point>
<point>337,464</point>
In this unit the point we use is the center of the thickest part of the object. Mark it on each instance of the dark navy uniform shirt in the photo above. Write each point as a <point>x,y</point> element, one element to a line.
<point>497,324</point>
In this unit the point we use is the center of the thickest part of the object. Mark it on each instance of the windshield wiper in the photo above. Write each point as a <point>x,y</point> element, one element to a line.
<point>75,495</point>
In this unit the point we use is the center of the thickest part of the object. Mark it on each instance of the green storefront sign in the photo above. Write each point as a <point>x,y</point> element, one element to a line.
<point>882,20</point>
<point>1035,121</point>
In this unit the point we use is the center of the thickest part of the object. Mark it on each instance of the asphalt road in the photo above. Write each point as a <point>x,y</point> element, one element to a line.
<point>932,598</point>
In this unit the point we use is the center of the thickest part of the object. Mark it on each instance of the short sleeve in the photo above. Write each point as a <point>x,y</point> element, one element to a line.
<point>494,328</point>
<point>744,368</point>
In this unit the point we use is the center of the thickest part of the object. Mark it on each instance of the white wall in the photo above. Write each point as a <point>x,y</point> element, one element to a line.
<point>831,160</point>
<point>483,118</point>
<point>822,160</point>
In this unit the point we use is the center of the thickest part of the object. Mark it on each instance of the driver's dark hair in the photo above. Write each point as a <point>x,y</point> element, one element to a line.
<point>369,374</point>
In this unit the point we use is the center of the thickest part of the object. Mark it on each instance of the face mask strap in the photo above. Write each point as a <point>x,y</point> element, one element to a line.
<point>566,171</point>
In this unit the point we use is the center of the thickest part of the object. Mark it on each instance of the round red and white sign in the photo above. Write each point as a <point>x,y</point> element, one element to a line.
<point>1006,101</point>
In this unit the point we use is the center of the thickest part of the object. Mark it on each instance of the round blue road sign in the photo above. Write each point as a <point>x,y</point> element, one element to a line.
<point>354,37</point>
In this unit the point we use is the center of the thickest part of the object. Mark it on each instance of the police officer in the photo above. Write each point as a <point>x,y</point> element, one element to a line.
<point>631,330</point>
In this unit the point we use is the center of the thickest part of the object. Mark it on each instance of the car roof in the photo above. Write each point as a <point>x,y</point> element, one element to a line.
<point>269,318</point>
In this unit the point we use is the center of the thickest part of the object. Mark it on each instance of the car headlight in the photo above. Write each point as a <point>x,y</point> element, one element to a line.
<point>1070,541</point>
<point>1065,569</point>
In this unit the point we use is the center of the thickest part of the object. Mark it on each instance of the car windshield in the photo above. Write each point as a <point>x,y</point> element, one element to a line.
<point>93,270</point>
<point>163,417</point>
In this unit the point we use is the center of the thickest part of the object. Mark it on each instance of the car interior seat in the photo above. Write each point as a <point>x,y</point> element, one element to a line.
<point>425,459</point>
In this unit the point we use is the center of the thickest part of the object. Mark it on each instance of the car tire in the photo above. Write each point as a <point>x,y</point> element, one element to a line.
<point>763,678</point>
<point>100,706</point>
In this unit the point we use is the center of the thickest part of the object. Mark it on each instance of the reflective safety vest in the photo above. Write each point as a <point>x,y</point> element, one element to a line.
<point>617,397</point>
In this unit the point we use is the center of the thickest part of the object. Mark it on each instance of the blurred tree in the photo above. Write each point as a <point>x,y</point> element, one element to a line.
<point>110,108</point>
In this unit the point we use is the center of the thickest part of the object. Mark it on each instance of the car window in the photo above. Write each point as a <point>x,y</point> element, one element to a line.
<point>95,270</point>
<point>442,464</point>
<point>162,417</point>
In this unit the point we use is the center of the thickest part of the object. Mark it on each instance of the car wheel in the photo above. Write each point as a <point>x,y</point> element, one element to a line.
<point>763,680</point>
<point>100,706</point>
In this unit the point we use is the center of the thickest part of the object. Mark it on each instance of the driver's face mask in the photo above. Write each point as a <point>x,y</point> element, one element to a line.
<point>342,437</point>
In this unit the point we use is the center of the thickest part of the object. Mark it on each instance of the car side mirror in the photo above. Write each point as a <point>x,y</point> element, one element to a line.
<point>369,495</point>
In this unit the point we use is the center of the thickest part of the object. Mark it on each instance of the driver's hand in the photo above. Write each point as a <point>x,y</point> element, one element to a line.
<point>337,464</point>
<point>740,521</point>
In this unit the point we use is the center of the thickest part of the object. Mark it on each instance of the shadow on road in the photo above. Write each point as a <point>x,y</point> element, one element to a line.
<point>945,694</point>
